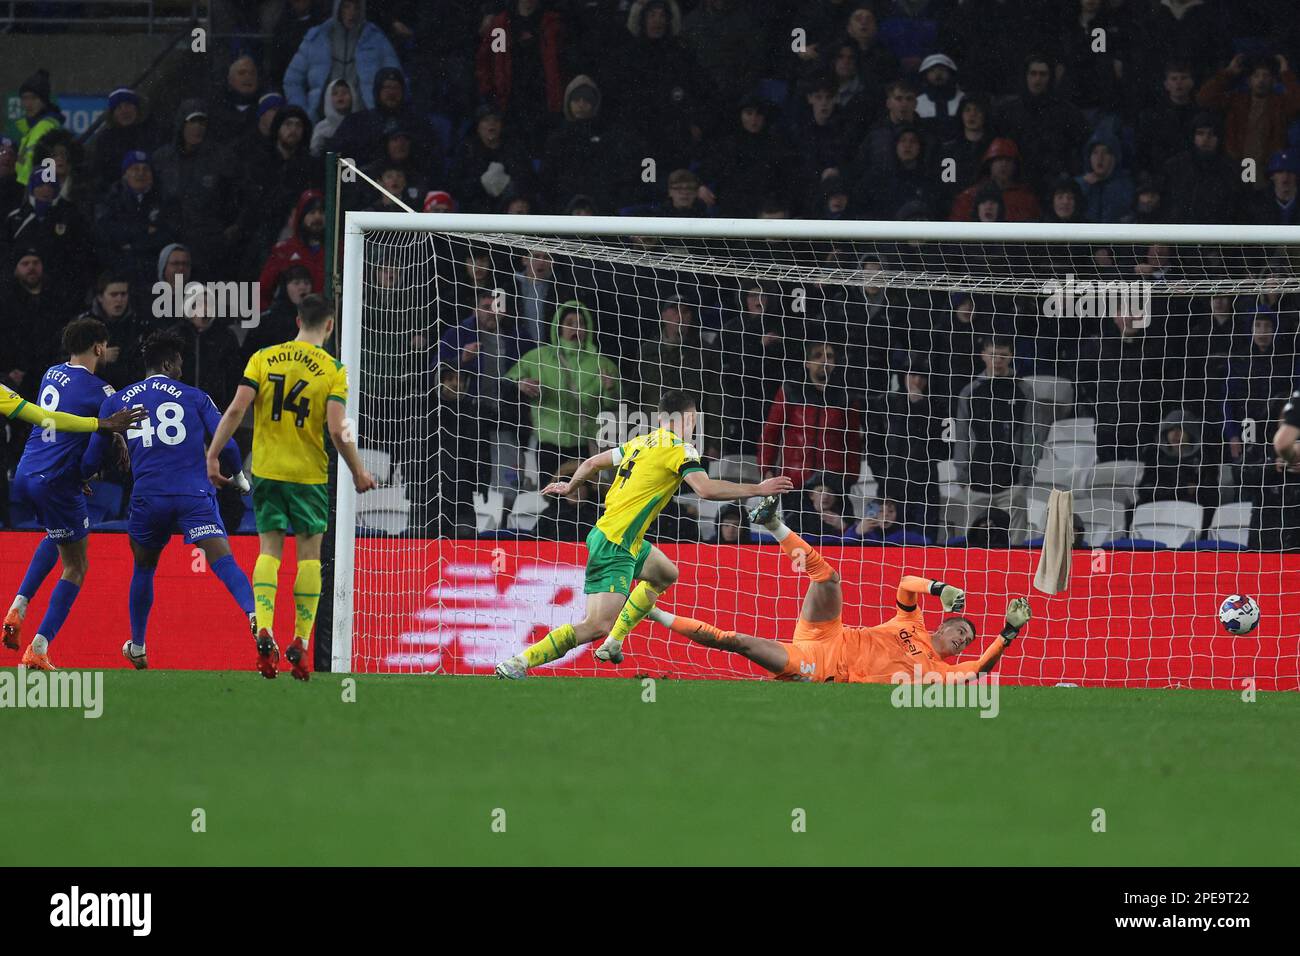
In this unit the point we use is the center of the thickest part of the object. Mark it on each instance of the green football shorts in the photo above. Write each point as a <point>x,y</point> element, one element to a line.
<point>611,568</point>
<point>281,505</point>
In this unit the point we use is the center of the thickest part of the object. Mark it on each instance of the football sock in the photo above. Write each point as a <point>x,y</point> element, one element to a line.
<point>818,568</point>
<point>42,563</point>
<point>65,592</point>
<point>235,580</point>
<point>689,627</point>
<point>637,606</point>
<point>552,647</point>
<point>139,602</point>
<point>306,595</point>
<point>19,606</point>
<point>266,577</point>
<point>40,644</point>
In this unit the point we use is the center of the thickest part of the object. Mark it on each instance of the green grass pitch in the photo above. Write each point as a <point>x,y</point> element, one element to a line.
<point>587,773</point>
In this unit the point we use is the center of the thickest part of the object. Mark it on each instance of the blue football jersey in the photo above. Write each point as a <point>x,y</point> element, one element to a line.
<point>57,455</point>
<point>169,448</point>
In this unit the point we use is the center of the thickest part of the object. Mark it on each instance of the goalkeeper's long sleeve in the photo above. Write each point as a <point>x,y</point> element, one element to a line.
<point>910,590</point>
<point>62,421</point>
<point>985,662</point>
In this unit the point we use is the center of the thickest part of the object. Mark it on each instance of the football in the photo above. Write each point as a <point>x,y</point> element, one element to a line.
<point>1238,614</point>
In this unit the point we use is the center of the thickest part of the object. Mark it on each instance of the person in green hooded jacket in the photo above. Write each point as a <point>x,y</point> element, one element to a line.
<point>566,385</point>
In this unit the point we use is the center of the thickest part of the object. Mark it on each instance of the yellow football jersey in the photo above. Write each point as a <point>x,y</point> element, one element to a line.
<point>10,402</point>
<point>650,468</point>
<point>294,381</point>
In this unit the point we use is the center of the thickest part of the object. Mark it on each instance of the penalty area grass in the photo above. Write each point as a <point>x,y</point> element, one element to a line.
<point>432,770</point>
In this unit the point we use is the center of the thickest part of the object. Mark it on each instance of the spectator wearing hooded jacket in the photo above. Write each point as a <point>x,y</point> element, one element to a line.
<point>57,229</point>
<point>279,172</point>
<point>125,130</point>
<point>133,222</point>
<point>565,386</point>
<point>812,426</point>
<point>1001,169</point>
<point>41,115</point>
<point>520,64</point>
<point>361,135</point>
<point>1108,190</point>
<point>657,86</point>
<point>296,18</point>
<point>345,47</point>
<point>747,164</point>
<point>910,181</point>
<point>1259,380</point>
<point>585,155</point>
<point>1204,184</point>
<point>304,247</point>
<point>1183,466</point>
<point>340,101</point>
<point>195,174</point>
<point>938,106</point>
<point>279,323</point>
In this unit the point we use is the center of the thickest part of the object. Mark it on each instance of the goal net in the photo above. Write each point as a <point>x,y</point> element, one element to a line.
<point>925,386</point>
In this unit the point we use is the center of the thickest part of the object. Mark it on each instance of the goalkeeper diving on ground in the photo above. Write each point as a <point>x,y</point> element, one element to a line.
<point>650,470</point>
<point>823,649</point>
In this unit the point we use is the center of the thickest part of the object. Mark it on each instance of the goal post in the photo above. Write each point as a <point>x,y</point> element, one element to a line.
<point>420,589</point>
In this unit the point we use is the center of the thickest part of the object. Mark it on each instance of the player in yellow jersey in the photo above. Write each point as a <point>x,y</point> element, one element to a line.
<point>298,391</point>
<point>14,407</point>
<point>650,470</point>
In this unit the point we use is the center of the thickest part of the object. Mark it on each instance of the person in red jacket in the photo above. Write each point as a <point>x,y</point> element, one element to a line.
<point>812,426</point>
<point>306,247</point>
<point>518,63</point>
<point>1001,167</point>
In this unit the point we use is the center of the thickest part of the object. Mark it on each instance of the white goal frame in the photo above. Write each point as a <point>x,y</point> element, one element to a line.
<point>357,224</point>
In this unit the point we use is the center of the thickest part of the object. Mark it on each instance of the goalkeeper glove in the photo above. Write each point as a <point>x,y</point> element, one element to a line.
<point>1018,615</point>
<point>240,481</point>
<point>952,598</point>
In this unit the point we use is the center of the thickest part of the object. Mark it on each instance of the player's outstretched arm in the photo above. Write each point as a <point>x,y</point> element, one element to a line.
<point>714,489</point>
<point>347,448</point>
<point>225,431</point>
<point>911,587</point>
<point>1018,615</point>
<point>63,422</point>
<point>600,462</point>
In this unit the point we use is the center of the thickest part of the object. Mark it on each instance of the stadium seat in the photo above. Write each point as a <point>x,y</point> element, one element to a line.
<point>1067,475</point>
<point>1211,544</point>
<point>489,511</point>
<point>1135,544</point>
<point>387,510</point>
<point>1231,523</point>
<point>523,515</point>
<point>1172,523</point>
<point>860,494</point>
<point>1117,479</point>
<point>1051,390</point>
<point>948,484</point>
<point>378,462</point>
<point>743,468</point>
<point>1104,518</point>
<point>1073,431</point>
<point>1036,505</point>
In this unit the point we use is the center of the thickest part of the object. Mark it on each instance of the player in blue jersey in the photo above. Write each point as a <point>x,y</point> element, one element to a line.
<point>169,460</point>
<point>49,481</point>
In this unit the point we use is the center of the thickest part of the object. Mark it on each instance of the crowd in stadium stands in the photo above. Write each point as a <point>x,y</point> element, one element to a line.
<point>988,110</point>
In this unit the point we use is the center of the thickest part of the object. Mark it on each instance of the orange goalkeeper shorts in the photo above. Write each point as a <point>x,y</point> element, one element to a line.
<point>817,652</point>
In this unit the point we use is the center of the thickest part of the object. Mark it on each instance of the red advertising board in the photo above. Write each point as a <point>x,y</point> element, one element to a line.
<point>1139,619</point>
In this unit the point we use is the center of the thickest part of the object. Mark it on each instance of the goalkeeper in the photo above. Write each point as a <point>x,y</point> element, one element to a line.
<point>823,649</point>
